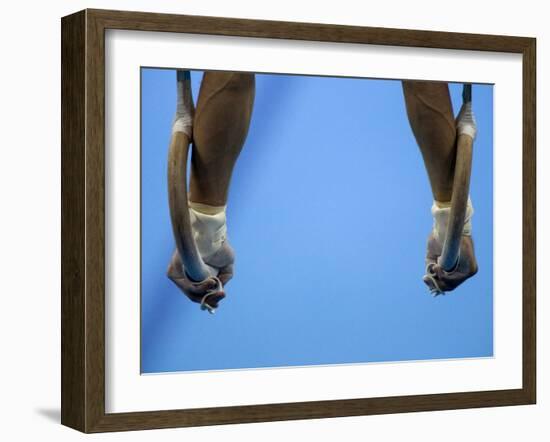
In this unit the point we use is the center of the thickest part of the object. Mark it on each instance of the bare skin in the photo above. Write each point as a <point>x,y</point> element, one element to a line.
<point>220,126</point>
<point>431,118</point>
<point>224,109</point>
<point>196,290</point>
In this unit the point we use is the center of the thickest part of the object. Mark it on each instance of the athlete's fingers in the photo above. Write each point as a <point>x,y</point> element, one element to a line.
<point>195,291</point>
<point>440,280</point>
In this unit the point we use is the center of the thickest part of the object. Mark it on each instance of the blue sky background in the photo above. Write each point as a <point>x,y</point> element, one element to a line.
<point>329,211</point>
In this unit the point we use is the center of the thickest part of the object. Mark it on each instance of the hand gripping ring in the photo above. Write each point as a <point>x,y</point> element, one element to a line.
<point>450,254</point>
<point>195,268</point>
<point>213,291</point>
<point>430,275</point>
<point>435,290</point>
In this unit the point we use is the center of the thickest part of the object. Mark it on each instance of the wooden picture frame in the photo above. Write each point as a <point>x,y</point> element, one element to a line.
<point>83,220</point>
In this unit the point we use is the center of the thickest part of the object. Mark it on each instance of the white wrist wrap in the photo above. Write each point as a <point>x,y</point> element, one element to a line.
<point>185,110</point>
<point>209,231</point>
<point>466,122</point>
<point>441,213</point>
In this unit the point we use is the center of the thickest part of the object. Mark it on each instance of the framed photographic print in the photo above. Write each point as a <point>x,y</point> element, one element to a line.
<point>269,220</point>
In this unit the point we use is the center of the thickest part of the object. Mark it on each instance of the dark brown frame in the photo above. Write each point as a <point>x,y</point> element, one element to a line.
<point>83,220</point>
